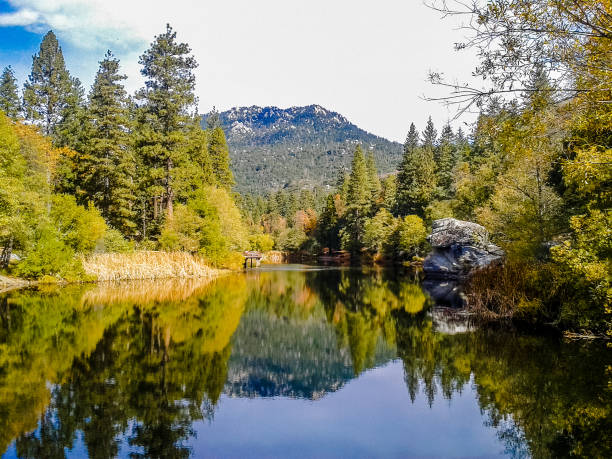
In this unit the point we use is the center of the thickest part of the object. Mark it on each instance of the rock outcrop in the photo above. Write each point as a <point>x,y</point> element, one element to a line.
<point>459,248</point>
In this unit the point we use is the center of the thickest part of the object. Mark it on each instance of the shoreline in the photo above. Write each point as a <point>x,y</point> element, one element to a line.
<point>185,266</point>
<point>12,283</point>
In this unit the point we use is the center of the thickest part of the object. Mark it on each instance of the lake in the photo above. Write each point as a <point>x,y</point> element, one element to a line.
<point>287,361</point>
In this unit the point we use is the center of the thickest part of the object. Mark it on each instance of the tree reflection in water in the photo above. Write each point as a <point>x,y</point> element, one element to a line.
<point>140,363</point>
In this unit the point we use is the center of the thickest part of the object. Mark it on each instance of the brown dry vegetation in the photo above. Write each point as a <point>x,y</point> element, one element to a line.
<point>147,265</point>
<point>514,290</point>
<point>274,257</point>
<point>146,291</point>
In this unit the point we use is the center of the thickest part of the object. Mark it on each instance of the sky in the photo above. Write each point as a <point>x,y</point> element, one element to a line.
<point>367,60</point>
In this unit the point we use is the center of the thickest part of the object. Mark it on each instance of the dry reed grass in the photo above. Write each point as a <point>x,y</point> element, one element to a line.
<point>273,257</point>
<point>515,290</point>
<point>146,291</point>
<point>495,292</point>
<point>147,265</point>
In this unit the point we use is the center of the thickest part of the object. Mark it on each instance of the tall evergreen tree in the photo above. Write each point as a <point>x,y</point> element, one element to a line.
<point>68,130</point>
<point>342,184</point>
<point>462,145</point>
<point>219,155</point>
<point>109,160</point>
<point>49,88</point>
<point>430,135</point>
<point>412,139</point>
<point>447,137</point>
<point>358,186</point>
<point>358,204</point>
<point>166,117</point>
<point>373,180</point>
<point>410,146</point>
<point>327,226</point>
<point>445,159</point>
<point>416,179</point>
<point>201,172</point>
<point>389,192</point>
<point>9,97</point>
<point>213,121</point>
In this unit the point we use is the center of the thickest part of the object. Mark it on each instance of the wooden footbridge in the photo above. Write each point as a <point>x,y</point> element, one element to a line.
<point>250,256</point>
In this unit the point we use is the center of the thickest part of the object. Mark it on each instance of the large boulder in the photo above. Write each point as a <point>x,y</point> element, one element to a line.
<point>459,248</point>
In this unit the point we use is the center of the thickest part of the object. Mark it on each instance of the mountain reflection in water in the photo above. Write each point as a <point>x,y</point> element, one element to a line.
<point>284,362</point>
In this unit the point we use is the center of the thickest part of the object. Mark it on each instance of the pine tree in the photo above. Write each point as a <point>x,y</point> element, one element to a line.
<point>403,177</point>
<point>445,159</point>
<point>166,117</point>
<point>213,121</point>
<point>219,155</point>
<point>412,139</point>
<point>9,97</point>
<point>109,160</point>
<point>68,130</point>
<point>540,92</point>
<point>416,179</point>
<point>447,137</point>
<point>49,88</point>
<point>373,180</point>
<point>358,204</point>
<point>342,184</point>
<point>430,135</point>
<point>327,227</point>
<point>358,186</point>
<point>462,146</point>
<point>201,170</point>
<point>389,192</point>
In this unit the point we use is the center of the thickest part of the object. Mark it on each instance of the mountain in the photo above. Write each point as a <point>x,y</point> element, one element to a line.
<point>298,147</point>
<point>288,357</point>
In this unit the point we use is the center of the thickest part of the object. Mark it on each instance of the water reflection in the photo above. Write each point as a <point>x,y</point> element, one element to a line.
<point>138,369</point>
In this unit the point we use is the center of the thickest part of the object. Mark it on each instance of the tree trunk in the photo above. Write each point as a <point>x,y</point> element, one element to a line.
<point>169,190</point>
<point>5,258</point>
<point>144,219</point>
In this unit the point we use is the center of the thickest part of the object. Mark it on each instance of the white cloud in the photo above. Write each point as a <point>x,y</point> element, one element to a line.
<point>87,24</point>
<point>366,60</point>
<point>23,17</point>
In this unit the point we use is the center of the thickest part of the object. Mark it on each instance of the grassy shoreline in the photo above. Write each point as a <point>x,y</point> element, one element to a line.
<point>12,283</point>
<point>142,265</point>
<point>139,265</point>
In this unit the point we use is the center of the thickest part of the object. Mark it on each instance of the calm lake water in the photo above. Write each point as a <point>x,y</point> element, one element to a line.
<point>288,361</point>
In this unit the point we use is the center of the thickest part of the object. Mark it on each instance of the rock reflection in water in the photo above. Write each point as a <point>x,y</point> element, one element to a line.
<point>445,292</point>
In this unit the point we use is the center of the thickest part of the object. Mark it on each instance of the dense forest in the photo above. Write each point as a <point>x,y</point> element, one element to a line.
<point>116,172</point>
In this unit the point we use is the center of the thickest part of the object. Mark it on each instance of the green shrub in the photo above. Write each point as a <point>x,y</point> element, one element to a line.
<point>378,229</point>
<point>584,262</point>
<point>261,242</point>
<point>290,239</point>
<point>146,245</point>
<point>114,242</point>
<point>230,260</point>
<point>409,237</point>
<point>182,231</point>
<point>439,209</point>
<point>50,256</point>
<point>79,228</point>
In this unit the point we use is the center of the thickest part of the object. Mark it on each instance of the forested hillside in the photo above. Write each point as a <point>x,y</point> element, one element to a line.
<point>297,147</point>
